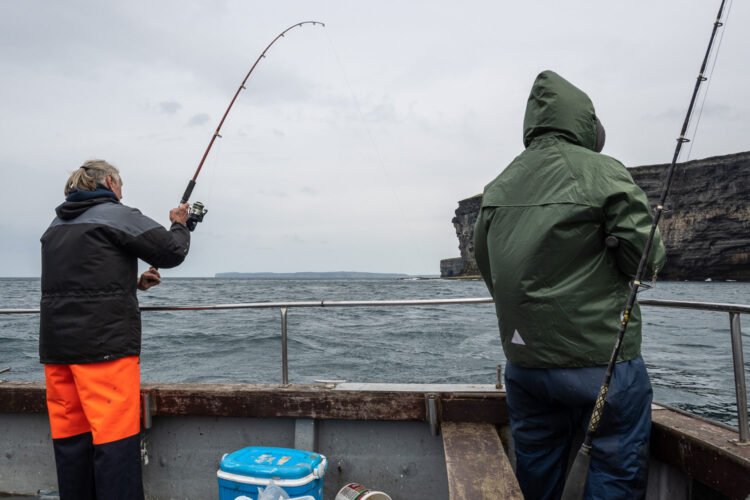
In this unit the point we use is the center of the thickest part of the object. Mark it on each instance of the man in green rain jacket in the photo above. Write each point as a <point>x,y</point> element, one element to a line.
<point>559,291</point>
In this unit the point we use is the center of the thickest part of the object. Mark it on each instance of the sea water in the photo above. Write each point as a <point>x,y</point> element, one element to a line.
<point>688,353</point>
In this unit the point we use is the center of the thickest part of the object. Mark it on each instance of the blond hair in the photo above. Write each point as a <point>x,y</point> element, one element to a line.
<point>90,174</point>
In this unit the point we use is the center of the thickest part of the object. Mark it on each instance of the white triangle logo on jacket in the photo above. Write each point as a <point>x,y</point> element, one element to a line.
<point>517,338</point>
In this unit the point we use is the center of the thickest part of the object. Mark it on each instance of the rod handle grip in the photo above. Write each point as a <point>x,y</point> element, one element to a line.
<point>188,191</point>
<point>575,484</point>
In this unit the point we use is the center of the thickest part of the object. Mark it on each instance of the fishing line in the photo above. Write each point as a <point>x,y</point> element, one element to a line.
<point>708,83</point>
<point>575,483</point>
<point>215,164</point>
<point>378,154</point>
<point>668,228</point>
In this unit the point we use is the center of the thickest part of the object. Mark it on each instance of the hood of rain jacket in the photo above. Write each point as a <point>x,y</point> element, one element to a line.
<point>539,238</point>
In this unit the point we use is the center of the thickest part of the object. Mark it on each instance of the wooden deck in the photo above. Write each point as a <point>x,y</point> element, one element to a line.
<point>478,468</point>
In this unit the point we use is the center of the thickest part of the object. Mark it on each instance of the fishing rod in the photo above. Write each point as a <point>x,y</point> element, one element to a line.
<point>198,210</point>
<point>575,484</point>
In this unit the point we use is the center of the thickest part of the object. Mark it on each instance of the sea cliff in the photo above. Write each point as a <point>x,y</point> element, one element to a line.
<point>706,231</point>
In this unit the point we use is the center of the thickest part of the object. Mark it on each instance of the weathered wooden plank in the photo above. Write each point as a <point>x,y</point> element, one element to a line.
<point>272,401</point>
<point>474,407</point>
<point>705,451</point>
<point>23,397</point>
<point>477,466</point>
<point>293,401</point>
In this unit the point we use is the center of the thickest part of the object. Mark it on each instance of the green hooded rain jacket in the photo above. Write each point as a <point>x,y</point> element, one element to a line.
<point>539,238</point>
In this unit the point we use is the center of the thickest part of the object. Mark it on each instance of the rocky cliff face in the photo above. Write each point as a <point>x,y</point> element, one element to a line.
<point>463,222</point>
<point>706,232</point>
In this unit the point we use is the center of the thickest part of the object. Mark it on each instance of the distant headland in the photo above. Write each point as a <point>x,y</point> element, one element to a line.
<point>335,275</point>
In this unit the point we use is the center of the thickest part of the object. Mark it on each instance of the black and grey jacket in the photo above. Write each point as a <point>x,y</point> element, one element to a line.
<point>90,252</point>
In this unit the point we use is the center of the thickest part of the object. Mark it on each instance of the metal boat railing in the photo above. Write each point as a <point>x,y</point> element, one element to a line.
<point>734,311</point>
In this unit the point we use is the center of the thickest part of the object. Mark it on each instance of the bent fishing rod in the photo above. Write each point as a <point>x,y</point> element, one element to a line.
<point>575,484</point>
<point>197,211</point>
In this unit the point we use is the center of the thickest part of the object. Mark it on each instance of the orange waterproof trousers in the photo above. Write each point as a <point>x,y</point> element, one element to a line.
<point>94,414</point>
<point>101,398</point>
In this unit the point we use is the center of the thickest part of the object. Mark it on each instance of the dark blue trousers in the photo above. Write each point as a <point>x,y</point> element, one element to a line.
<point>548,407</point>
<point>109,471</point>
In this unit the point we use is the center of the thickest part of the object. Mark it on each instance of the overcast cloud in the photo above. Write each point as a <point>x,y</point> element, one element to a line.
<point>353,143</point>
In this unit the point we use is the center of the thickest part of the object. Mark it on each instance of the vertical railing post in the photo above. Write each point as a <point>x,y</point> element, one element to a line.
<point>284,366</point>
<point>740,388</point>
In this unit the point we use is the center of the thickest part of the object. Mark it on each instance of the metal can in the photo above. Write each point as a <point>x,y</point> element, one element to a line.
<point>354,491</point>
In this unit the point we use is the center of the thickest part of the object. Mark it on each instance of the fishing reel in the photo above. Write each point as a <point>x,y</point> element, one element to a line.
<point>195,215</point>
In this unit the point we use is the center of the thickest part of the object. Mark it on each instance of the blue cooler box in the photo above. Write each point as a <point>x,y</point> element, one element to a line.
<point>298,472</point>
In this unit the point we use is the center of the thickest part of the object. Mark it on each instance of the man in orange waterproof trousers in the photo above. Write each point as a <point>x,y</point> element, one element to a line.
<point>90,330</point>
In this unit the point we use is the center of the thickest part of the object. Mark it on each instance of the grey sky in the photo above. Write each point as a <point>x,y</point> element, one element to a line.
<point>352,143</point>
